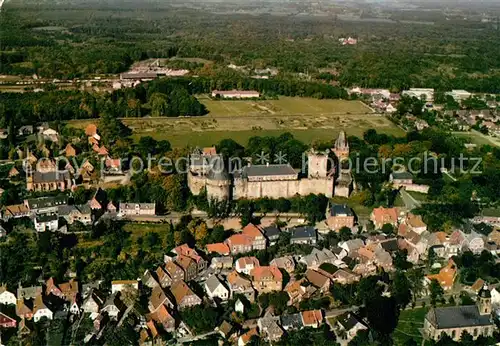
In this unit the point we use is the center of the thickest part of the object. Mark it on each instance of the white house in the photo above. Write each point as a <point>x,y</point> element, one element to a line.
<point>40,310</point>
<point>120,285</point>
<point>239,306</point>
<point>74,308</point>
<point>495,297</point>
<point>46,222</point>
<point>93,303</point>
<point>427,94</point>
<point>6,297</point>
<point>216,289</point>
<point>246,264</point>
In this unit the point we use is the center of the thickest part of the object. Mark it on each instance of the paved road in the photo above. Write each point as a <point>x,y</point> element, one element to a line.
<point>409,201</point>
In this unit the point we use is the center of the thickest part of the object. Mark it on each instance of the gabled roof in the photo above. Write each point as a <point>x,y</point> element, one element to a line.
<point>239,239</point>
<point>220,248</point>
<point>5,319</point>
<point>252,231</point>
<point>181,290</point>
<point>458,317</point>
<point>157,298</point>
<point>235,279</point>
<point>312,317</point>
<point>340,210</point>
<point>243,262</point>
<point>266,272</point>
<point>303,232</point>
<point>212,283</point>
<point>271,231</point>
<point>317,279</point>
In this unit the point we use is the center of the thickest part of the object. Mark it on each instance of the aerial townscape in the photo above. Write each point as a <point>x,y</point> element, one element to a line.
<point>249,173</point>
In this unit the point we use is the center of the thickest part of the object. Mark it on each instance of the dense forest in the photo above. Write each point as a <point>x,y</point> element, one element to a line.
<point>70,41</point>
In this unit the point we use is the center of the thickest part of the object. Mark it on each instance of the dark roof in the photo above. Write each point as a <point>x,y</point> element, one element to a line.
<point>484,292</point>
<point>271,231</point>
<point>390,245</point>
<point>291,321</point>
<point>458,317</point>
<point>39,177</point>
<point>348,320</point>
<point>337,250</point>
<point>46,217</point>
<point>339,209</point>
<point>268,170</point>
<point>65,210</point>
<point>47,202</point>
<point>216,174</point>
<point>402,175</point>
<point>303,232</point>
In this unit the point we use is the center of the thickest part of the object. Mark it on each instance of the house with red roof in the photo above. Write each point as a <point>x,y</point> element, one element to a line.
<point>381,216</point>
<point>6,321</point>
<point>267,279</point>
<point>218,248</point>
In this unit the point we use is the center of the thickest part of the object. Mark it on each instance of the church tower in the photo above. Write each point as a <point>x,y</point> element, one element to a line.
<point>341,148</point>
<point>484,301</point>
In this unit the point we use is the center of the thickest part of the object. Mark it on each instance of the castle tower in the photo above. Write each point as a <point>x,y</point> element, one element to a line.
<point>341,148</point>
<point>484,301</point>
<point>317,164</point>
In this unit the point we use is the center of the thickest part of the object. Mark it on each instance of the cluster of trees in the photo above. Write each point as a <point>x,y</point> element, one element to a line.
<point>313,207</point>
<point>473,267</point>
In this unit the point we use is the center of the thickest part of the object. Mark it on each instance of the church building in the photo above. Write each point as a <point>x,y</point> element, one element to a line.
<point>454,320</point>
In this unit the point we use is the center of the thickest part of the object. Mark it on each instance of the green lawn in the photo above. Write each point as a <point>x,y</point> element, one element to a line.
<point>410,321</point>
<point>307,119</point>
<point>491,212</point>
<point>421,197</point>
<point>141,229</point>
<point>477,138</point>
<point>283,106</point>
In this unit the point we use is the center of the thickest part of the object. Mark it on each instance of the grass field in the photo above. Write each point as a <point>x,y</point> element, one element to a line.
<point>410,321</point>
<point>307,119</point>
<point>141,229</point>
<point>283,106</point>
<point>477,138</point>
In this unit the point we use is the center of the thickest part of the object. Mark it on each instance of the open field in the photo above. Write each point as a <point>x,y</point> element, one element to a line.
<point>283,106</point>
<point>410,321</point>
<point>307,119</point>
<point>478,138</point>
<point>141,229</point>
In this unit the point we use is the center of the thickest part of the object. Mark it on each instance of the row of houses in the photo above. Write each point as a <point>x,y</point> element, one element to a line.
<point>47,211</point>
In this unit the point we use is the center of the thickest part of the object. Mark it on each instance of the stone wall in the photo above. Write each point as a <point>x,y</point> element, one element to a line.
<point>218,189</point>
<point>285,189</point>
<point>196,183</point>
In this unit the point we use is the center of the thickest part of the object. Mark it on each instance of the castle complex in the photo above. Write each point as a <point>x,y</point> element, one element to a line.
<point>207,171</point>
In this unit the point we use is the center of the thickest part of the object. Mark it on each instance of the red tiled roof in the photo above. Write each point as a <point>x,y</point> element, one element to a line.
<point>265,272</point>
<point>246,261</point>
<point>239,239</point>
<point>385,215</point>
<point>219,248</point>
<point>312,317</point>
<point>251,230</point>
